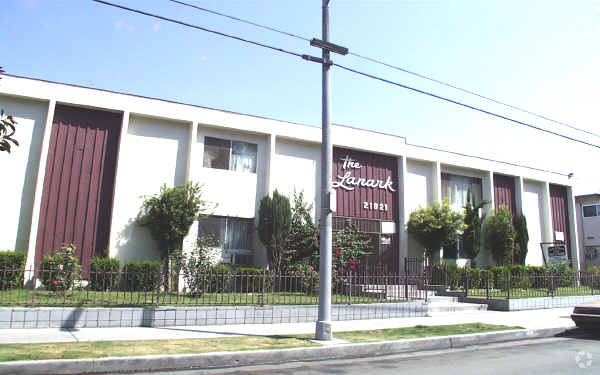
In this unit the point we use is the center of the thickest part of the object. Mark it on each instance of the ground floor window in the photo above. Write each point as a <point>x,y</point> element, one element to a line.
<point>234,236</point>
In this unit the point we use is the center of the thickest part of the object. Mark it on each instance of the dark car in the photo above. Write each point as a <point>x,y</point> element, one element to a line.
<point>587,315</point>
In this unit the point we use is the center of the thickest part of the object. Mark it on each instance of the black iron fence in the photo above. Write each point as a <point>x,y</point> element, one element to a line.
<point>489,285</point>
<point>57,287</point>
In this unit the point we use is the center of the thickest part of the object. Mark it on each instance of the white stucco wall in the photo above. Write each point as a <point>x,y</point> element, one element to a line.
<point>297,167</point>
<point>532,209</point>
<point>238,194</point>
<point>419,193</point>
<point>19,171</point>
<point>154,154</point>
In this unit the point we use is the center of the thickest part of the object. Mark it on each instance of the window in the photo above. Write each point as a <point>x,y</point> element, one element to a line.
<point>591,211</point>
<point>455,188</point>
<point>232,155</point>
<point>232,233</point>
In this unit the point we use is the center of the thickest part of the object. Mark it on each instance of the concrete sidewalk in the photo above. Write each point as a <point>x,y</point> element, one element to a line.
<point>530,319</point>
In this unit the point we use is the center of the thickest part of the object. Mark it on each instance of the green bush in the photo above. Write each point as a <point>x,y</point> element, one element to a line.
<point>499,236</point>
<point>564,276</point>
<point>12,265</point>
<point>274,222</point>
<point>142,276</point>
<point>60,270</point>
<point>104,273</point>
<point>220,279</point>
<point>435,227</point>
<point>301,277</point>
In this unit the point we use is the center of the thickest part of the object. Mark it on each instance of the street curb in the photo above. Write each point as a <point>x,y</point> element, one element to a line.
<point>266,357</point>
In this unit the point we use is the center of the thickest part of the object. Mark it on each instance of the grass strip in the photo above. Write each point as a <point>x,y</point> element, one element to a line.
<point>419,331</point>
<point>100,349</point>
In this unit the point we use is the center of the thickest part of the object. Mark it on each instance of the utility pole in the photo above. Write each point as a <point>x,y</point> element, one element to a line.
<point>323,328</point>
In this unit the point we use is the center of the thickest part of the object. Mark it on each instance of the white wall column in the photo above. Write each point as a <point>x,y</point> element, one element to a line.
<point>271,143</point>
<point>192,157</point>
<point>547,229</point>
<point>436,185</point>
<point>519,193</point>
<point>576,251</point>
<point>488,191</point>
<point>39,186</point>
<point>120,181</point>
<point>403,213</point>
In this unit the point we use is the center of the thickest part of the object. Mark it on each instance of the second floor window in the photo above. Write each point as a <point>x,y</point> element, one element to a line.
<point>232,155</point>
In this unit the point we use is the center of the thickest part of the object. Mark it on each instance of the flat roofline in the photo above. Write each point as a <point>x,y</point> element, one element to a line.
<point>584,196</point>
<point>487,159</point>
<point>284,121</point>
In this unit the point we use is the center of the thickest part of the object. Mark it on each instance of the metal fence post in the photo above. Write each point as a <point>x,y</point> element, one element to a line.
<point>466,282</point>
<point>487,286</point>
<point>34,280</point>
<point>508,286</point>
<point>552,284</point>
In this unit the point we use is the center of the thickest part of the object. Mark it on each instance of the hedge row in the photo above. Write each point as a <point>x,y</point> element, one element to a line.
<point>497,277</point>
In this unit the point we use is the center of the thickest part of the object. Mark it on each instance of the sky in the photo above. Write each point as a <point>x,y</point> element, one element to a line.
<point>542,56</point>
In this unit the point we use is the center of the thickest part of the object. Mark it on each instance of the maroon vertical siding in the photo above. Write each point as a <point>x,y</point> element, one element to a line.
<point>350,203</point>
<point>504,192</point>
<point>560,213</point>
<point>79,182</point>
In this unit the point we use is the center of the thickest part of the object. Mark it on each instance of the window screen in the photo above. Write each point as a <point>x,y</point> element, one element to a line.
<point>590,211</point>
<point>243,157</point>
<point>239,233</point>
<point>216,153</point>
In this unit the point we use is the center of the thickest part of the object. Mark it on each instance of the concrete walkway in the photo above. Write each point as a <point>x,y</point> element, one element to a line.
<point>530,319</point>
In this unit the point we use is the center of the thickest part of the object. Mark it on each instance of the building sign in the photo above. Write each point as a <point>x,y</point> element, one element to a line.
<point>366,184</point>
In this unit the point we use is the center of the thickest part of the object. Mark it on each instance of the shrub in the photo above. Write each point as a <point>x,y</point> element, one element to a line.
<point>196,265</point>
<point>12,265</point>
<point>472,233</point>
<point>563,274</point>
<point>302,243</point>
<point>435,227</point>
<point>104,273</point>
<point>142,276</point>
<point>349,245</point>
<point>302,277</point>
<point>521,239</point>
<point>499,236</point>
<point>60,270</point>
<point>274,221</point>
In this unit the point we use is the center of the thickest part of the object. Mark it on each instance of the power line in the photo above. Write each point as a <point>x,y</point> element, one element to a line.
<point>240,20</point>
<point>315,59</point>
<point>380,62</point>
<point>198,28</point>
<point>462,104</point>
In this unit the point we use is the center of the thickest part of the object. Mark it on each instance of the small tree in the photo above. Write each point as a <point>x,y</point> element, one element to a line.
<point>302,240</point>
<point>472,234</point>
<point>435,227</point>
<point>7,129</point>
<point>499,235</point>
<point>170,214</point>
<point>274,220</point>
<point>521,239</point>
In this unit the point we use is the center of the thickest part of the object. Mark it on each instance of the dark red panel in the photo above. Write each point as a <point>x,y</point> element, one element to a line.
<point>368,180</point>
<point>560,214</point>
<point>504,192</point>
<point>79,182</point>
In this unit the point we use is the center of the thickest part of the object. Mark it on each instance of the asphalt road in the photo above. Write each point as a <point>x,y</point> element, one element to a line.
<point>575,354</point>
